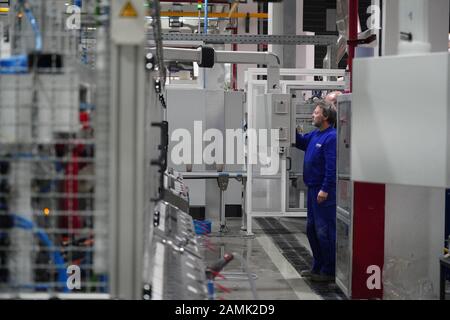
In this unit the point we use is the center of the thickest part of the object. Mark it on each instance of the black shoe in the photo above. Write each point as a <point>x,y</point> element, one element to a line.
<point>307,273</point>
<point>322,278</point>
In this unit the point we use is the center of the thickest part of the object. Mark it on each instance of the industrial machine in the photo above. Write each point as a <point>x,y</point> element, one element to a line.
<point>174,267</point>
<point>396,199</point>
<point>282,194</point>
<point>359,224</point>
<point>88,205</point>
<point>282,109</point>
<point>52,208</point>
<point>93,203</point>
<point>175,190</point>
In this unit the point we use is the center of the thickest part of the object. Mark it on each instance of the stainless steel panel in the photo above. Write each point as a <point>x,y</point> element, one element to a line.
<point>343,253</point>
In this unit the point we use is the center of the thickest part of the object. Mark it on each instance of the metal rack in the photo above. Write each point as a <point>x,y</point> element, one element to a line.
<point>329,41</point>
<point>53,157</point>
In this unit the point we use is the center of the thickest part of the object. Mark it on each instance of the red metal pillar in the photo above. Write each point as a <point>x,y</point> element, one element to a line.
<point>235,71</point>
<point>369,204</point>
<point>352,35</point>
<point>234,47</point>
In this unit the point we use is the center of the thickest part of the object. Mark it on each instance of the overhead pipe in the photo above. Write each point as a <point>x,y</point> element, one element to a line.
<point>248,57</point>
<point>239,57</point>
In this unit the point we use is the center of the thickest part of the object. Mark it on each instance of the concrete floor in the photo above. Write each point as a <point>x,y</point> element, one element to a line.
<point>275,255</point>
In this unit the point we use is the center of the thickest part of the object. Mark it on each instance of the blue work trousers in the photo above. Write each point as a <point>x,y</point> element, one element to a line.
<point>321,232</point>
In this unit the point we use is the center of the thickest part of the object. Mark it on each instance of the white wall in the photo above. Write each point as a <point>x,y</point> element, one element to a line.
<point>414,218</point>
<point>183,108</point>
<point>438,27</point>
<point>414,231</point>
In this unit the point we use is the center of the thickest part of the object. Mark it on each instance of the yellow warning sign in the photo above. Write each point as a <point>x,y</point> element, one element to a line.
<point>128,11</point>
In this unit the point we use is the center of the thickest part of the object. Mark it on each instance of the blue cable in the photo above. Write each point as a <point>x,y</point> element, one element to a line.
<point>56,256</point>
<point>104,280</point>
<point>34,25</point>
<point>205,27</point>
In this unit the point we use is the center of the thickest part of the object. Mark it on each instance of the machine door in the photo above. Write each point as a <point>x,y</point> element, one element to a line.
<point>296,188</point>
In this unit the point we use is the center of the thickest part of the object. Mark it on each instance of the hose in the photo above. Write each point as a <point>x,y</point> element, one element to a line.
<point>58,260</point>
<point>34,25</point>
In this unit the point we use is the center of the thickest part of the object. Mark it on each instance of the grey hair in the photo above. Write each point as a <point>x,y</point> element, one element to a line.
<point>328,111</point>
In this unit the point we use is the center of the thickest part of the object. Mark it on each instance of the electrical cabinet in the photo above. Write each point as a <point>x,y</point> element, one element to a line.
<point>280,107</point>
<point>359,218</point>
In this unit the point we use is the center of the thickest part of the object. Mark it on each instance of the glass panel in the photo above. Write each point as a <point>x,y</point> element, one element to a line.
<point>266,190</point>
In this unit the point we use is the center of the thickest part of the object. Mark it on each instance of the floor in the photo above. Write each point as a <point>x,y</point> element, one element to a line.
<point>275,255</point>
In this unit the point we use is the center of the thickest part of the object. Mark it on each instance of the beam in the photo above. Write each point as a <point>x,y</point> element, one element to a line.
<point>225,15</point>
<point>319,40</point>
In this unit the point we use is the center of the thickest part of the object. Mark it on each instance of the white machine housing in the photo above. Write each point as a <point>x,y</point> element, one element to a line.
<point>389,91</point>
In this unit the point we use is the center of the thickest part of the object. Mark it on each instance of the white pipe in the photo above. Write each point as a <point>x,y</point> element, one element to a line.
<point>236,57</point>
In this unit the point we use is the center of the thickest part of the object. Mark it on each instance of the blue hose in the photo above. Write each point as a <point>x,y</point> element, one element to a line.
<point>205,27</point>
<point>56,256</point>
<point>34,24</point>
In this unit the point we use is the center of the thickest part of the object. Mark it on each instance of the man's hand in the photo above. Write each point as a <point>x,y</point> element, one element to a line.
<point>321,197</point>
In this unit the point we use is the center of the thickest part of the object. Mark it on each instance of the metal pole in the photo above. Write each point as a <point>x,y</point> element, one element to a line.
<point>128,122</point>
<point>205,27</point>
<point>222,211</point>
<point>353,35</point>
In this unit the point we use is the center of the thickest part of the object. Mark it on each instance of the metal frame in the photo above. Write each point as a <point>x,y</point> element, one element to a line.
<point>49,107</point>
<point>237,57</point>
<point>343,215</point>
<point>323,40</point>
<point>329,41</point>
<point>347,288</point>
<point>239,176</point>
<point>289,86</point>
<point>286,86</point>
<point>127,165</point>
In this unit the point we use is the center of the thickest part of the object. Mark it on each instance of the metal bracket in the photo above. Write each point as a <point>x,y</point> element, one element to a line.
<point>222,181</point>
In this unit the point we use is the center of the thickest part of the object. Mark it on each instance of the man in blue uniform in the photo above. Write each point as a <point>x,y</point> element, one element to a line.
<point>319,175</point>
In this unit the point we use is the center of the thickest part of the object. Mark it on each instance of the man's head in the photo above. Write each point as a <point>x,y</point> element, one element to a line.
<point>331,98</point>
<point>324,115</point>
